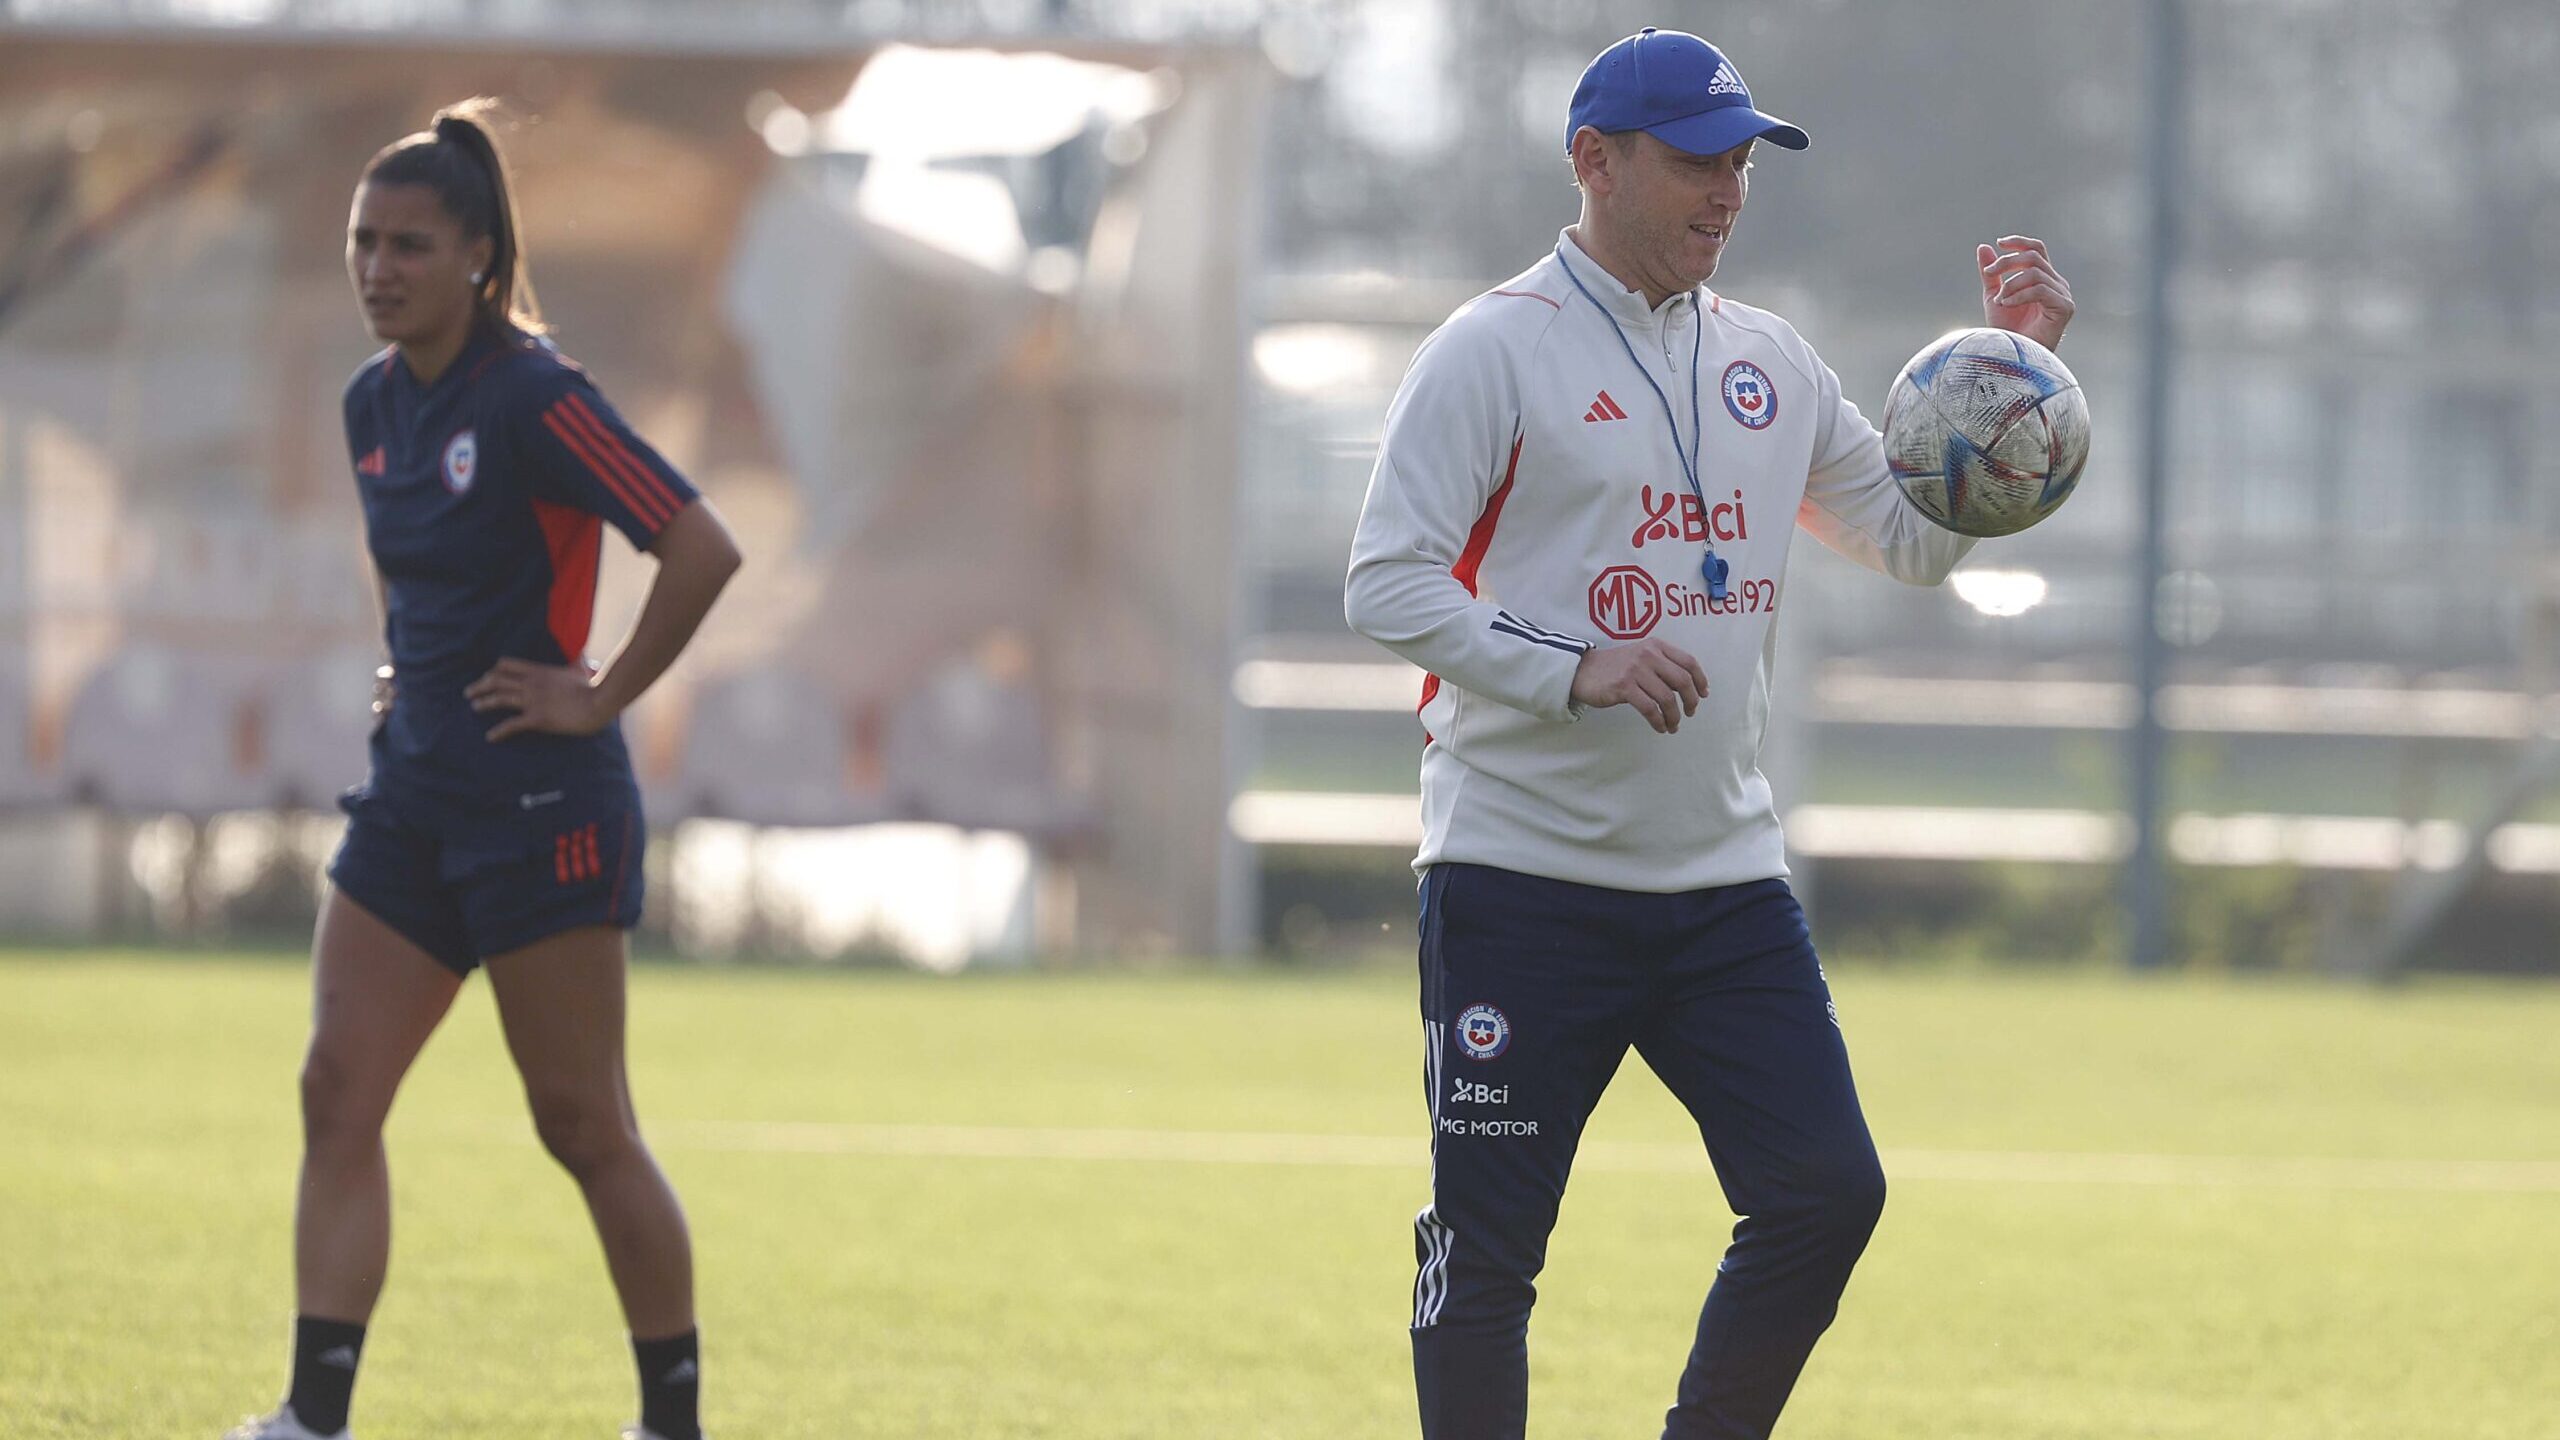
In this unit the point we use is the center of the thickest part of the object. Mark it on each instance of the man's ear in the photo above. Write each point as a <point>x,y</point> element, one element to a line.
<point>1594,160</point>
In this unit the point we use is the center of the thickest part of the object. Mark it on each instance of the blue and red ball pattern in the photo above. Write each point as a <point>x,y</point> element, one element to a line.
<point>1986,431</point>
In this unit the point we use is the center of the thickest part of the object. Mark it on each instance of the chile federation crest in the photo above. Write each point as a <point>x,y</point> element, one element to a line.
<point>1748,395</point>
<point>461,461</point>
<point>1483,1032</point>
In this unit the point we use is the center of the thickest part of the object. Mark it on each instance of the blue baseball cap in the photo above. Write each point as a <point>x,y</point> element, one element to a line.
<point>1677,88</point>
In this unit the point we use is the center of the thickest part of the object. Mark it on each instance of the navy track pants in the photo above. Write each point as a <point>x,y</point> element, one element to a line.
<point>1532,991</point>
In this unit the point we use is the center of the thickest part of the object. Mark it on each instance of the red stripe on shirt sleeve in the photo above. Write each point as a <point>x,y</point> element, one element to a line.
<point>559,425</point>
<point>644,475</point>
<point>634,489</point>
<point>1479,540</point>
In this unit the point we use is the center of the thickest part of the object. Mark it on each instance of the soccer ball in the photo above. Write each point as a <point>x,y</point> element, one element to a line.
<point>1986,431</point>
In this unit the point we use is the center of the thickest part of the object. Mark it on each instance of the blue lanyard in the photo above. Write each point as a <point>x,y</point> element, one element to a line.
<point>1713,568</point>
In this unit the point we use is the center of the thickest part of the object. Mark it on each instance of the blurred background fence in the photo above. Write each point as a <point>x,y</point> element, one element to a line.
<point>1039,351</point>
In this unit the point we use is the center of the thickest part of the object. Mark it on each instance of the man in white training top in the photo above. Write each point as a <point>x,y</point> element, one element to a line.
<point>1578,526</point>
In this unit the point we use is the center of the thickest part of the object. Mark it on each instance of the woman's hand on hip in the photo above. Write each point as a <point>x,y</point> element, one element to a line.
<point>552,699</point>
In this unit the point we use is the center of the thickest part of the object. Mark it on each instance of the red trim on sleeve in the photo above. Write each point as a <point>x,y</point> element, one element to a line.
<point>1479,540</point>
<point>575,540</point>
<point>556,422</point>
<point>645,479</point>
<point>1529,295</point>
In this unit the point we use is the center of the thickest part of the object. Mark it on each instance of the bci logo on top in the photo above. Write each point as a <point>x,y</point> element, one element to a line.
<point>1677,515</point>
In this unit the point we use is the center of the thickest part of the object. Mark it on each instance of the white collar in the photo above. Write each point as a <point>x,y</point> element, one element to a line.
<point>1625,306</point>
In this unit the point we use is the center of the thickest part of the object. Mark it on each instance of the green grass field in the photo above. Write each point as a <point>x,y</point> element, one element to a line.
<point>1126,1205</point>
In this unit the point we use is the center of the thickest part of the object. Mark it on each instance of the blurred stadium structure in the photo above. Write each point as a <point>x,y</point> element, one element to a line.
<point>1040,350</point>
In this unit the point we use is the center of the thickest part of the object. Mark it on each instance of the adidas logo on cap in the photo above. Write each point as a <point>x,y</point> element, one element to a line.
<point>1727,82</point>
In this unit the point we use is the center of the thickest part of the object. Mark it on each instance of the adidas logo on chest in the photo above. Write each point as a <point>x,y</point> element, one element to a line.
<point>1603,410</point>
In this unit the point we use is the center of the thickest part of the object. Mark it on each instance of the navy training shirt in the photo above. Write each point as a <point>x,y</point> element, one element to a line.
<point>485,497</point>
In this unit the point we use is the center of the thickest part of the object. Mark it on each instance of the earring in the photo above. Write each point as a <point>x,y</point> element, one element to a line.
<point>475,277</point>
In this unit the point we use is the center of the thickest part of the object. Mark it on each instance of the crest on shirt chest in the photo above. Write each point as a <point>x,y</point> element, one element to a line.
<point>461,462</point>
<point>1749,397</point>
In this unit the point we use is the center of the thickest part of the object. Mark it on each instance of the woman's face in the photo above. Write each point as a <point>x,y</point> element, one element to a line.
<point>410,264</point>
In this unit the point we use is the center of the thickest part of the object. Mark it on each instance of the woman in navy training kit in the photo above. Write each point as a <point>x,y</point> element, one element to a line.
<point>500,825</point>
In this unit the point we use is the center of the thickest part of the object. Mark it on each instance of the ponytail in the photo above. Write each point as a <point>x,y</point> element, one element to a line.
<point>458,158</point>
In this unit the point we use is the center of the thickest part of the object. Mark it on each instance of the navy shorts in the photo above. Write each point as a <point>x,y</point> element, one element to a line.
<point>467,880</point>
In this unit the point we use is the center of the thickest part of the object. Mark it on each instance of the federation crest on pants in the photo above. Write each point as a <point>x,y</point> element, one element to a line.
<point>1483,1032</point>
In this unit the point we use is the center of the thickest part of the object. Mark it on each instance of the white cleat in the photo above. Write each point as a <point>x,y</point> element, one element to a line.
<point>282,1425</point>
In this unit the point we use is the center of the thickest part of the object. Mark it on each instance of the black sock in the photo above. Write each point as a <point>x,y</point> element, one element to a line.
<point>671,1385</point>
<point>325,1353</point>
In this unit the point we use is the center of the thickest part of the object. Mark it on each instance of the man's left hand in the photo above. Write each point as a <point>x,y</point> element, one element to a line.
<point>554,699</point>
<point>2021,291</point>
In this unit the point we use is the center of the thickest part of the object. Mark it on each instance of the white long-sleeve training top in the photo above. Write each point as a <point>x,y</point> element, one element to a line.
<point>1529,503</point>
